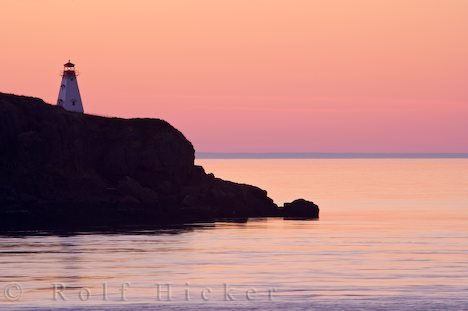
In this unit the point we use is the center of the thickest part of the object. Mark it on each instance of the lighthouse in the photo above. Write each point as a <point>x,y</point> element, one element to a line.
<point>69,95</point>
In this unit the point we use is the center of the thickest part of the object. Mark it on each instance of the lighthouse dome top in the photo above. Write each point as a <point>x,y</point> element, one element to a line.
<point>69,64</point>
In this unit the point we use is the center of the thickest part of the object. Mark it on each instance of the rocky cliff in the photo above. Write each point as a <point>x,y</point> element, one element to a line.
<point>60,167</point>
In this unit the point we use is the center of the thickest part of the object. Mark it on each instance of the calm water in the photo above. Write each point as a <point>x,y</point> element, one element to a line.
<point>393,235</point>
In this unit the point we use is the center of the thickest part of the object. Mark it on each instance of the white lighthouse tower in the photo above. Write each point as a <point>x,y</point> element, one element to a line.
<point>69,95</point>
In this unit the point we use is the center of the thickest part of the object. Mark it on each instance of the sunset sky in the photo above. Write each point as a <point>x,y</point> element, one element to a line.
<point>256,75</point>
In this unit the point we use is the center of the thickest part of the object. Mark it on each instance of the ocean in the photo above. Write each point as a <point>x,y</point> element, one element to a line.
<point>392,235</point>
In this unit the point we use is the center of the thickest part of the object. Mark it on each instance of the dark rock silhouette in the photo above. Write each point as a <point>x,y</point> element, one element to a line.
<point>64,168</point>
<point>301,208</point>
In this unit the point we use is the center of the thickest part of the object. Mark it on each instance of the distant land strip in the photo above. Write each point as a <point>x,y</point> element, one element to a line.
<point>274,155</point>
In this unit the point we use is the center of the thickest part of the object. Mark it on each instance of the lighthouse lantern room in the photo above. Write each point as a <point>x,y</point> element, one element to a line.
<point>69,95</point>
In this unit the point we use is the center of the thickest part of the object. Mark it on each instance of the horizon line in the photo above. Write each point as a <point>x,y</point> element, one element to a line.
<point>331,155</point>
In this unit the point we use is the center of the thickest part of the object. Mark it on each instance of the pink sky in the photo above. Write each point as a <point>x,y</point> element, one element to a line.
<point>256,75</point>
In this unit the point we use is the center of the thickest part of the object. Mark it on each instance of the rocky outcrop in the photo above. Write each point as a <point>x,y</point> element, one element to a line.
<point>301,208</point>
<point>69,168</point>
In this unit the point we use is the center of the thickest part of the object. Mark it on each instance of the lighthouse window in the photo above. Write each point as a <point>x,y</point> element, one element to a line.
<point>73,102</point>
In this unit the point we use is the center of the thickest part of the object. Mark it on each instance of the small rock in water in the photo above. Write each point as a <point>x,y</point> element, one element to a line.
<point>301,208</point>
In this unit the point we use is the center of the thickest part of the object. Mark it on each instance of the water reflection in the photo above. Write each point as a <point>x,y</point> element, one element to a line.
<point>302,260</point>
